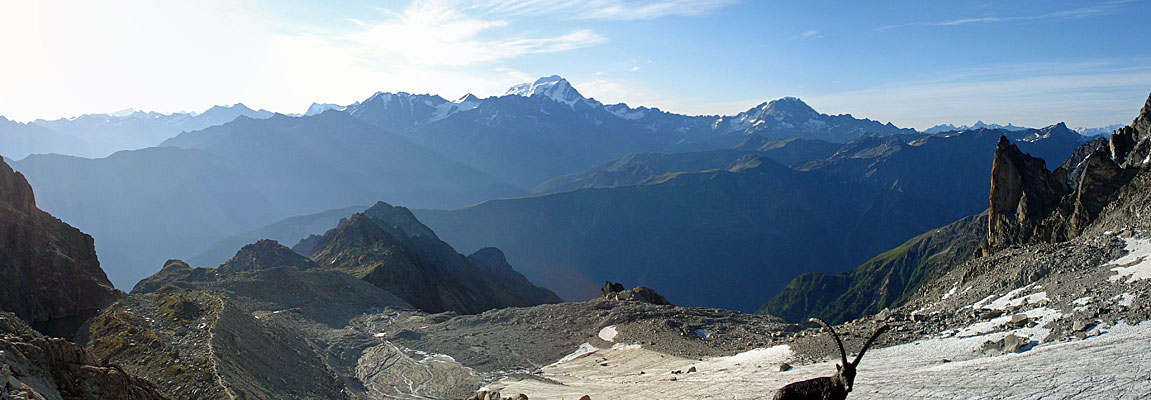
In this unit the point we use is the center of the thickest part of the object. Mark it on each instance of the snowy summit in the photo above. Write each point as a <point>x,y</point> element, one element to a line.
<point>553,87</point>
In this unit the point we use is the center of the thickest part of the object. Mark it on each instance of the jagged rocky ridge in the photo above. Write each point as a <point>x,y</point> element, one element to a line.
<point>1028,204</point>
<point>390,248</point>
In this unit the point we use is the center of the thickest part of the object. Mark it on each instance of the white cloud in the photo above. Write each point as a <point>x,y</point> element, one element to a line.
<point>1094,94</point>
<point>601,9</point>
<point>810,34</point>
<point>430,33</point>
<point>1083,12</point>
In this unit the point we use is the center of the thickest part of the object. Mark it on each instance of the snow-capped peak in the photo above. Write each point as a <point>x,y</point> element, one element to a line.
<point>789,107</point>
<point>123,113</point>
<point>623,111</point>
<point>319,108</point>
<point>467,98</point>
<point>553,87</point>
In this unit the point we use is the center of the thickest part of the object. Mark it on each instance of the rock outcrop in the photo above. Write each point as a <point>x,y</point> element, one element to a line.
<point>1129,145</point>
<point>1100,181</point>
<point>615,291</point>
<point>33,366</point>
<point>49,274</point>
<point>1028,204</point>
<point>264,254</point>
<point>1077,162</point>
<point>1023,193</point>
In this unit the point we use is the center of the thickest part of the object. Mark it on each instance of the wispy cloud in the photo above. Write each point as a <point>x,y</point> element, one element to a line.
<point>1083,94</point>
<point>431,33</point>
<point>601,9</point>
<point>810,34</point>
<point>1082,12</point>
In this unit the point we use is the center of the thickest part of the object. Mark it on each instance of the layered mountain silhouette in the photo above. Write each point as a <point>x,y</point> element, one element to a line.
<point>717,237</point>
<point>100,135</point>
<point>977,125</point>
<point>49,273</point>
<point>50,284</point>
<point>150,205</point>
<point>741,223</point>
<point>146,206</point>
<point>425,152</point>
<point>640,168</point>
<point>290,230</point>
<point>332,160</point>
<point>544,129</point>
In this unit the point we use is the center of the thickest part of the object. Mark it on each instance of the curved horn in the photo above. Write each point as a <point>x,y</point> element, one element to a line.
<point>842,352</point>
<point>868,344</point>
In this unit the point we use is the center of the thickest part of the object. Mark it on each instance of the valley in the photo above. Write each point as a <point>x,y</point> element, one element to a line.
<point>618,199</point>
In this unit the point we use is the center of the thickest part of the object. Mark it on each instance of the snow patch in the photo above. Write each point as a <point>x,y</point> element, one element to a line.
<point>949,293</point>
<point>767,355</point>
<point>582,351</point>
<point>979,304</point>
<point>987,329</point>
<point>608,333</point>
<point>1136,265</point>
<point>1124,299</point>
<point>1010,299</point>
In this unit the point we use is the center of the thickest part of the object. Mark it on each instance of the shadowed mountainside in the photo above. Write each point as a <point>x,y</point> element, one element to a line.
<point>49,273</point>
<point>388,247</point>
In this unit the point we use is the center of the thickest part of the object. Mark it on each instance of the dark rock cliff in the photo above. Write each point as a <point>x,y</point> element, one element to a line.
<point>1023,193</point>
<point>49,274</point>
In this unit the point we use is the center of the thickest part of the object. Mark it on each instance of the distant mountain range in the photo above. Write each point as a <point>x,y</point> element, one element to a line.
<point>100,135</point>
<point>421,151</point>
<point>544,129</point>
<point>978,125</point>
<point>725,227</point>
<point>1099,131</point>
<point>738,225</point>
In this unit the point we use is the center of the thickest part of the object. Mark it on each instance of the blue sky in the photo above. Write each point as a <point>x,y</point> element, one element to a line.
<point>913,63</point>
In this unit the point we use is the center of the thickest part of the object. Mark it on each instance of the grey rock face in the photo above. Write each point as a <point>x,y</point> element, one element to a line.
<point>33,366</point>
<point>1023,192</point>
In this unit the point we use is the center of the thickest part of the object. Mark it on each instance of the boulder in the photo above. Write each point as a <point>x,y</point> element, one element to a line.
<point>615,291</point>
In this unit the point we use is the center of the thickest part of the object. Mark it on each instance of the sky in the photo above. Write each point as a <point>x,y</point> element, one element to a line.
<point>914,63</point>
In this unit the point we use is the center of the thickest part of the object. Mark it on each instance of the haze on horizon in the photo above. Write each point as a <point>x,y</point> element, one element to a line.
<point>914,64</point>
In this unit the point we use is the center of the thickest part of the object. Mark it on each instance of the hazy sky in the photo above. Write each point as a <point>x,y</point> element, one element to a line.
<point>914,63</point>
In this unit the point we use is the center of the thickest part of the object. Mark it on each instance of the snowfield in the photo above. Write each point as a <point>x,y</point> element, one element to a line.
<point>1114,365</point>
